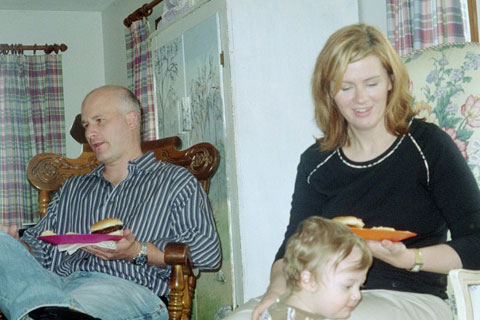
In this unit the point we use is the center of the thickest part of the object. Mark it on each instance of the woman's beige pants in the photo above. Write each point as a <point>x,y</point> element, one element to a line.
<point>380,305</point>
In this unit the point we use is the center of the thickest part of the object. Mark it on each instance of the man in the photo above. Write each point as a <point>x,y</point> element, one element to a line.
<point>158,203</point>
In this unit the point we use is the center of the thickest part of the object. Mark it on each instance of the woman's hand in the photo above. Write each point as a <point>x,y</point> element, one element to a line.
<point>277,287</point>
<point>127,248</point>
<point>393,253</point>
<point>267,301</point>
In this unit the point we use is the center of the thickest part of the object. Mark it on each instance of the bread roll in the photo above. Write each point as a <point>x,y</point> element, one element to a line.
<point>48,233</point>
<point>113,226</point>
<point>350,221</point>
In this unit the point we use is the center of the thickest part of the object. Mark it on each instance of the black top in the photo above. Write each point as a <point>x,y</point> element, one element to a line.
<point>421,184</point>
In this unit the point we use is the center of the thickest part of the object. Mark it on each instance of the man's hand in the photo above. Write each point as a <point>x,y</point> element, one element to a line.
<point>393,253</point>
<point>12,230</point>
<point>127,248</point>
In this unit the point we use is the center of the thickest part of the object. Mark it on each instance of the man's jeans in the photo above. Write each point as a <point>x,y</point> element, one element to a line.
<point>25,286</point>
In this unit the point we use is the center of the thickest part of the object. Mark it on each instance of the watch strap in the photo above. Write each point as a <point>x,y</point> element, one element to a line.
<point>417,266</point>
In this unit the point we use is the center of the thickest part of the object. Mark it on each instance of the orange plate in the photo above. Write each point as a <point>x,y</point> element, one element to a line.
<point>379,234</point>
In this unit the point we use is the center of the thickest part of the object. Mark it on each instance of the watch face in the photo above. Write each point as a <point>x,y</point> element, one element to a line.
<point>141,260</point>
<point>142,256</point>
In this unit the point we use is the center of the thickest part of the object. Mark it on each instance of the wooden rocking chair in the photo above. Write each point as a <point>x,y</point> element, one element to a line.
<point>47,172</point>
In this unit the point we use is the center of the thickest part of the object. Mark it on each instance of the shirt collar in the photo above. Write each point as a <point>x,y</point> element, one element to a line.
<point>142,163</point>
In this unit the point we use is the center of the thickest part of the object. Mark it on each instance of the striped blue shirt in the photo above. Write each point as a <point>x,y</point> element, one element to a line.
<point>159,202</point>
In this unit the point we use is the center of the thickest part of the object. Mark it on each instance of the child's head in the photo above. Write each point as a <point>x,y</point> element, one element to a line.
<point>325,256</point>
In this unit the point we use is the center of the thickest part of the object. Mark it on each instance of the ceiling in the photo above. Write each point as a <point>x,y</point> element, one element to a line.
<point>55,5</point>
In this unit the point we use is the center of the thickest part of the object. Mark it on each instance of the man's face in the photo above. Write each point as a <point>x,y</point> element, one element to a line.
<point>106,127</point>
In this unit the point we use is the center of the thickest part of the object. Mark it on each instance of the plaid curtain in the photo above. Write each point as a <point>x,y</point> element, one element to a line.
<point>140,76</point>
<point>417,24</point>
<point>32,121</point>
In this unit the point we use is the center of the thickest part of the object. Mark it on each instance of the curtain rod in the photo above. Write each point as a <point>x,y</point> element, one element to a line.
<point>472,17</point>
<point>140,13</point>
<point>19,48</point>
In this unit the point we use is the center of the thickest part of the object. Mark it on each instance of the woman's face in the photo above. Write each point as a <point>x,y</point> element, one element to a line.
<point>362,98</point>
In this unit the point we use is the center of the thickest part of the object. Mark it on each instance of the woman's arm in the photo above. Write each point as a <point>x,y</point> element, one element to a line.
<point>276,288</point>
<point>439,258</point>
<point>456,194</point>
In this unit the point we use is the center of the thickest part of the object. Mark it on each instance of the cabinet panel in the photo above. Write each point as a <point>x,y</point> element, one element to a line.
<point>189,103</point>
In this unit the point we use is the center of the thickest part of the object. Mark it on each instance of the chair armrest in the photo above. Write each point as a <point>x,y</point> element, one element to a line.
<point>182,280</point>
<point>463,290</point>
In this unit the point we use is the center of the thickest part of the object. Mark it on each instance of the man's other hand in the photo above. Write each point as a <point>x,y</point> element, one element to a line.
<point>127,248</point>
<point>11,230</point>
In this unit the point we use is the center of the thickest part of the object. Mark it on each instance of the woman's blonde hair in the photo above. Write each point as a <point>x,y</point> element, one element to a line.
<point>345,46</point>
<point>316,243</point>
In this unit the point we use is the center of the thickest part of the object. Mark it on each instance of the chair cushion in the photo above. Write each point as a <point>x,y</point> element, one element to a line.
<point>445,84</point>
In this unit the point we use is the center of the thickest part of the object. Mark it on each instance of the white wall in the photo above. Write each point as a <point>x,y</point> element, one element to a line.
<point>273,49</point>
<point>114,40</point>
<point>83,64</point>
<point>373,12</point>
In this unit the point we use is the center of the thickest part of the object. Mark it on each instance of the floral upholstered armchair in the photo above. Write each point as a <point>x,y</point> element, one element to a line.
<point>445,84</point>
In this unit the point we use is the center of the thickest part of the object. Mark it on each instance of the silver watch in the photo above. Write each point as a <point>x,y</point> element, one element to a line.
<point>142,257</point>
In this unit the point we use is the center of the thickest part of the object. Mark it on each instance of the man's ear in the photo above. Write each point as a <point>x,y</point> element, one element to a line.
<point>307,281</point>
<point>132,119</point>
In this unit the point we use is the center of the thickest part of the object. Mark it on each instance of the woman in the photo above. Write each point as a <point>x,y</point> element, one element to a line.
<point>378,163</point>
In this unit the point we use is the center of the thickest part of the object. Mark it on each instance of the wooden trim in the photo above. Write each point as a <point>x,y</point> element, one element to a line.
<point>472,17</point>
<point>19,48</point>
<point>142,12</point>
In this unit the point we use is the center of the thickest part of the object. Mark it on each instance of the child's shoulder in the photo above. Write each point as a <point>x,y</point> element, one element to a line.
<point>282,311</point>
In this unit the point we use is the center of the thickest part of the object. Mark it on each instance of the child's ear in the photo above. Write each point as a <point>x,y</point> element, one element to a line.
<point>308,281</point>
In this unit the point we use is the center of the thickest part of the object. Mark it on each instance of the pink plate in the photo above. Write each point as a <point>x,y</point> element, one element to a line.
<point>79,238</point>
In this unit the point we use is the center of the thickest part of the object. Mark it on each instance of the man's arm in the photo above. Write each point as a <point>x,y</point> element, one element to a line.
<point>127,249</point>
<point>190,221</point>
<point>195,226</point>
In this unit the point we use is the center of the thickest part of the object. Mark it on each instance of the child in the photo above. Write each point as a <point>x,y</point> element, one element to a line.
<point>325,265</point>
